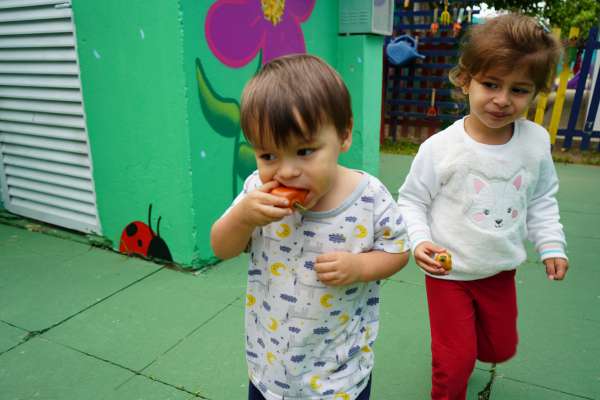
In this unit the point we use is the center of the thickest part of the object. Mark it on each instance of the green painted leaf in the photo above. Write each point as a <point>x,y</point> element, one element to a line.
<point>246,162</point>
<point>222,114</point>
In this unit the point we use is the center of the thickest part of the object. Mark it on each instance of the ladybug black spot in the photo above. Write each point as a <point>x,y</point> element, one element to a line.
<point>131,229</point>
<point>140,243</point>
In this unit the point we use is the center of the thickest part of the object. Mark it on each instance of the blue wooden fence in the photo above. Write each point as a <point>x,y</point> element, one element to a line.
<point>408,90</point>
<point>592,44</point>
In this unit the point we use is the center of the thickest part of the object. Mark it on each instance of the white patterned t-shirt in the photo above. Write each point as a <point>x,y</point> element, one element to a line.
<point>304,339</point>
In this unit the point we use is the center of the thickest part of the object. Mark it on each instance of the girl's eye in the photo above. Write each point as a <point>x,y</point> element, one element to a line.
<point>490,85</point>
<point>509,210</point>
<point>305,152</point>
<point>267,157</point>
<point>486,212</point>
<point>521,90</point>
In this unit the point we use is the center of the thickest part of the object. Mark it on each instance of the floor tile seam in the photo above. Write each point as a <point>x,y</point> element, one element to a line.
<point>508,378</point>
<point>45,330</point>
<point>13,325</point>
<point>407,282</point>
<point>192,332</point>
<point>124,367</point>
<point>23,340</point>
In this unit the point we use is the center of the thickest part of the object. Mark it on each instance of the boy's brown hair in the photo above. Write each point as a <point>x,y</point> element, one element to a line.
<point>292,97</point>
<point>509,42</point>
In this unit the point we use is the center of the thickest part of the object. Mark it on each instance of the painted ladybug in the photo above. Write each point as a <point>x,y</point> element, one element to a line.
<point>139,238</point>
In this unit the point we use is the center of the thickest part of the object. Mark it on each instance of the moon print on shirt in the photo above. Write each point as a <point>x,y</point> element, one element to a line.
<point>495,205</point>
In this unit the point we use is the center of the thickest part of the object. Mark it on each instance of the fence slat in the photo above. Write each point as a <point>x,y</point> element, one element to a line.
<point>585,69</point>
<point>560,93</point>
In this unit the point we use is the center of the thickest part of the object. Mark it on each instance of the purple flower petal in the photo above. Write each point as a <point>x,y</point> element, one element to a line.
<point>300,9</point>
<point>237,29</point>
<point>285,38</point>
<point>234,31</point>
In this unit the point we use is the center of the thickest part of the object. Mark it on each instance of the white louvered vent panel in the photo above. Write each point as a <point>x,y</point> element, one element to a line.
<point>45,167</point>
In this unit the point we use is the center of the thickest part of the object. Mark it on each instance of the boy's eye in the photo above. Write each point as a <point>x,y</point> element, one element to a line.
<point>267,157</point>
<point>486,212</point>
<point>509,210</point>
<point>305,152</point>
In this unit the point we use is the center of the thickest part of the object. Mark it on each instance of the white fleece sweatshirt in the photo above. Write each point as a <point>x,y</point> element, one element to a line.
<point>482,201</point>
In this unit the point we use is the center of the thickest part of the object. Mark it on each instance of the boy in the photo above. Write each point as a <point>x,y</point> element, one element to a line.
<point>313,291</point>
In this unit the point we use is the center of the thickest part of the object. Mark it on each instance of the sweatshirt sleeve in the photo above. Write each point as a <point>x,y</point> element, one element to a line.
<point>543,226</point>
<point>415,195</point>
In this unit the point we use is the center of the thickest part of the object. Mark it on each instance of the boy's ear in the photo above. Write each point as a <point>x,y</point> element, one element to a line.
<point>347,141</point>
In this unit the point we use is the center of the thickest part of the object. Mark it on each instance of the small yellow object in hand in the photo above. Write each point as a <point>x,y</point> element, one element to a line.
<point>445,259</point>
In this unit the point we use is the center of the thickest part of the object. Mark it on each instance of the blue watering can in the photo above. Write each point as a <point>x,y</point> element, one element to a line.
<point>402,50</point>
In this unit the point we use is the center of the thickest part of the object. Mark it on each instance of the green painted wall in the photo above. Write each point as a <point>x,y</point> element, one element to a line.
<point>360,64</point>
<point>134,89</point>
<point>212,155</point>
<point>150,138</point>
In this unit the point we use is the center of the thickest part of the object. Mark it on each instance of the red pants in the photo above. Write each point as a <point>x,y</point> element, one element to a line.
<point>469,320</point>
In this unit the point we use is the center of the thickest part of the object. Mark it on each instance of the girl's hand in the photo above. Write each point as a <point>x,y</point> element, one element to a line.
<point>556,268</point>
<point>260,208</point>
<point>424,254</point>
<point>338,268</point>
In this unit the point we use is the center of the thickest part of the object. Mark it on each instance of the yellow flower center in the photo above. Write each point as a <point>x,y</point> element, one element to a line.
<point>273,10</point>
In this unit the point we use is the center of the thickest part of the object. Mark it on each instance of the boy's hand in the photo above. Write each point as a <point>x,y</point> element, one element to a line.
<point>338,268</point>
<point>556,268</point>
<point>424,254</point>
<point>260,208</point>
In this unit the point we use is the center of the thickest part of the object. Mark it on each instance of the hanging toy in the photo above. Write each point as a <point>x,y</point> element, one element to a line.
<point>406,3</point>
<point>434,25</point>
<point>432,110</point>
<point>445,17</point>
<point>456,28</point>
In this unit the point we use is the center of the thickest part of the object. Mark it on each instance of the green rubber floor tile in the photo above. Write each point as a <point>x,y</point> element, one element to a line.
<point>393,171</point>
<point>39,291</point>
<point>144,388</point>
<point>558,356</point>
<point>580,225</point>
<point>411,274</point>
<point>19,241</point>
<point>136,326</point>
<point>507,389</point>
<point>39,369</point>
<point>211,361</point>
<point>574,299</point>
<point>402,349</point>
<point>10,336</point>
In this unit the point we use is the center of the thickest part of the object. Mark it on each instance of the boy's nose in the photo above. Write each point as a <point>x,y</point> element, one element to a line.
<point>288,170</point>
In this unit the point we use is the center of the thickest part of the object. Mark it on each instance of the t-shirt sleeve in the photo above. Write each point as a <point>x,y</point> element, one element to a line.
<point>251,183</point>
<point>389,228</point>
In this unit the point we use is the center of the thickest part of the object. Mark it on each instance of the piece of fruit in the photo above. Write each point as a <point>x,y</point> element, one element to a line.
<point>445,259</point>
<point>295,196</point>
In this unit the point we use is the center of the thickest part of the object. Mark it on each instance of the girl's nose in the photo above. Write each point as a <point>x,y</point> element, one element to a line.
<point>502,99</point>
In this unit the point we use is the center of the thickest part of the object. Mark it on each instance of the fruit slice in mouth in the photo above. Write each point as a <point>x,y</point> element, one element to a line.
<point>295,196</point>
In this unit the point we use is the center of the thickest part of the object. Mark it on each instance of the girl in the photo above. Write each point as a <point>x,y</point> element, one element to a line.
<point>479,188</point>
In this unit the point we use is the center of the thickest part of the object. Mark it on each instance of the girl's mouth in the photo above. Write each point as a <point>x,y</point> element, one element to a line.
<point>498,115</point>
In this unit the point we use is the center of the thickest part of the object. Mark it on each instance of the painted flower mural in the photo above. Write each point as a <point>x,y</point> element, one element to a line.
<point>236,30</point>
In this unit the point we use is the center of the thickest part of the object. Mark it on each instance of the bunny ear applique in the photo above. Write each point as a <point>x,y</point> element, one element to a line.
<point>517,181</point>
<point>476,183</point>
